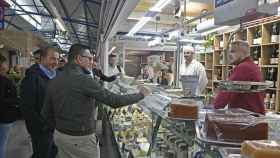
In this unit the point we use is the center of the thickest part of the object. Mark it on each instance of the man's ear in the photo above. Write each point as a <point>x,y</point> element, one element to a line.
<point>78,59</point>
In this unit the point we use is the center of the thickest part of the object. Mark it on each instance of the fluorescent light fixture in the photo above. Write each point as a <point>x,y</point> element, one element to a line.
<point>146,37</point>
<point>154,42</point>
<point>138,25</point>
<point>159,5</point>
<point>60,25</point>
<point>156,8</point>
<point>173,34</point>
<point>214,30</point>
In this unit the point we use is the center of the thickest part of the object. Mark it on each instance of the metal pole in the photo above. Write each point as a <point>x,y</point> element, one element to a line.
<point>177,61</point>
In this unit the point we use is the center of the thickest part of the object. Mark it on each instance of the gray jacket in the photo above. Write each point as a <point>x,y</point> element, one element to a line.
<point>70,101</point>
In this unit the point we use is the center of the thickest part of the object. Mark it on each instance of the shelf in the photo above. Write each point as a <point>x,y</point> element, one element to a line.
<point>270,44</point>
<point>273,89</point>
<point>269,66</point>
<point>216,81</point>
<point>254,45</point>
<point>224,65</point>
<point>218,50</point>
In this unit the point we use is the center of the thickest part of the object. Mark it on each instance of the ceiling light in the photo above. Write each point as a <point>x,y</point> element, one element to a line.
<point>155,42</point>
<point>159,5</point>
<point>138,25</point>
<point>60,25</point>
<point>152,12</point>
<point>173,34</point>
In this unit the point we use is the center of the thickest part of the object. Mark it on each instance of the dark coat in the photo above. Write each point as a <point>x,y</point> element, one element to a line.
<point>9,109</point>
<point>32,92</point>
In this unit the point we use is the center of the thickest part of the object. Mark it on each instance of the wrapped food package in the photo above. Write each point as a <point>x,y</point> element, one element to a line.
<point>261,149</point>
<point>235,126</point>
<point>187,109</point>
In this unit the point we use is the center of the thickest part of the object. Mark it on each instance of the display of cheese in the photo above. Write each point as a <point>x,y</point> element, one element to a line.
<point>235,126</point>
<point>261,149</point>
<point>187,109</point>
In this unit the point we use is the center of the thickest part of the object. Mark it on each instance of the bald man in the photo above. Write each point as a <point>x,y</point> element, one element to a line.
<point>245,70</point>
<point>192,67</point>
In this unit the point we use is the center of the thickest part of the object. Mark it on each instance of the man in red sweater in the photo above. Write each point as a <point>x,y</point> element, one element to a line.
<point>245,70</point>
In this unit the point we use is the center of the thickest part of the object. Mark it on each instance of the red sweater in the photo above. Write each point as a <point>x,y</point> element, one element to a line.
<point>245,71</point>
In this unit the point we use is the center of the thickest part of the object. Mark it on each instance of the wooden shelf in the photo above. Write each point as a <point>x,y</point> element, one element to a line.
<point>265,48</point>
<point>255,45</point>
<point>269,66</point>
<point>215,81</point>
<point>270,44</point>
<point>224,65</point>
<point>218,50</point>
<point>209,69</point>
<point>273,89</point>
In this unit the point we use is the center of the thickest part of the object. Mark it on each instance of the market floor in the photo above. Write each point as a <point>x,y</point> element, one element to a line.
<point>19,143</point>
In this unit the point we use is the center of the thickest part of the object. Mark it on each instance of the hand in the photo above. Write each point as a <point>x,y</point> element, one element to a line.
<point>145,91</point>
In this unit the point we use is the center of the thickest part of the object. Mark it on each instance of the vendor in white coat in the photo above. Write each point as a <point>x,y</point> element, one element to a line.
<point>192,67</point>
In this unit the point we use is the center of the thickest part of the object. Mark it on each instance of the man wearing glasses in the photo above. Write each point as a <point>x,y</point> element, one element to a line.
<point>191,67</point>
<point>70,105</point>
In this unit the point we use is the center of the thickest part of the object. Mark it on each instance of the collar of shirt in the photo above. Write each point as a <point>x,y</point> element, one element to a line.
<point>49,73</point>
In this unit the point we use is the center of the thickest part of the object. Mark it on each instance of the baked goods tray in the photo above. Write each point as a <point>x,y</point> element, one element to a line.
<point>202,139</point>
<point>243,86</point>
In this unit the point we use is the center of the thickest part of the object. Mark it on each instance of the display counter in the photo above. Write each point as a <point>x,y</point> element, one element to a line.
<point>147,129</point>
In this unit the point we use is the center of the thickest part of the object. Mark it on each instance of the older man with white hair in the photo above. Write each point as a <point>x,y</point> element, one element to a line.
<point>192,67</point>
<point>245,70</point>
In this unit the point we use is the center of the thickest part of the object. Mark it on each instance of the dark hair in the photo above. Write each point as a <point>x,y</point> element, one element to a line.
<point>45,50</point>
<point>75,50</point>
<point>2,59</point>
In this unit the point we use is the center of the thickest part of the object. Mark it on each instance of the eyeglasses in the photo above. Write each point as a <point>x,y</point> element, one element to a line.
<point>88,57</point>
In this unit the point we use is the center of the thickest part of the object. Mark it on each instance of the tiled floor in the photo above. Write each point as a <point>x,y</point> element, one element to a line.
<point>19,142</point>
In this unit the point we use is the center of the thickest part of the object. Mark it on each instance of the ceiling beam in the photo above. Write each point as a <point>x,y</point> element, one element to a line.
<point>93,1</point>
<point>91,14</point>
<point>77,21</point>
<point>35,5</point>
<point>18,5</point>
<point>68,17</point>
<point>77,7</point>
<point>86,17</point>
<point>14,25</point>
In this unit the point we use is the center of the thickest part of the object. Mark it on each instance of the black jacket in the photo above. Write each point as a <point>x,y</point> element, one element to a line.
<point>9,110</point>
<point>32,92</point>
